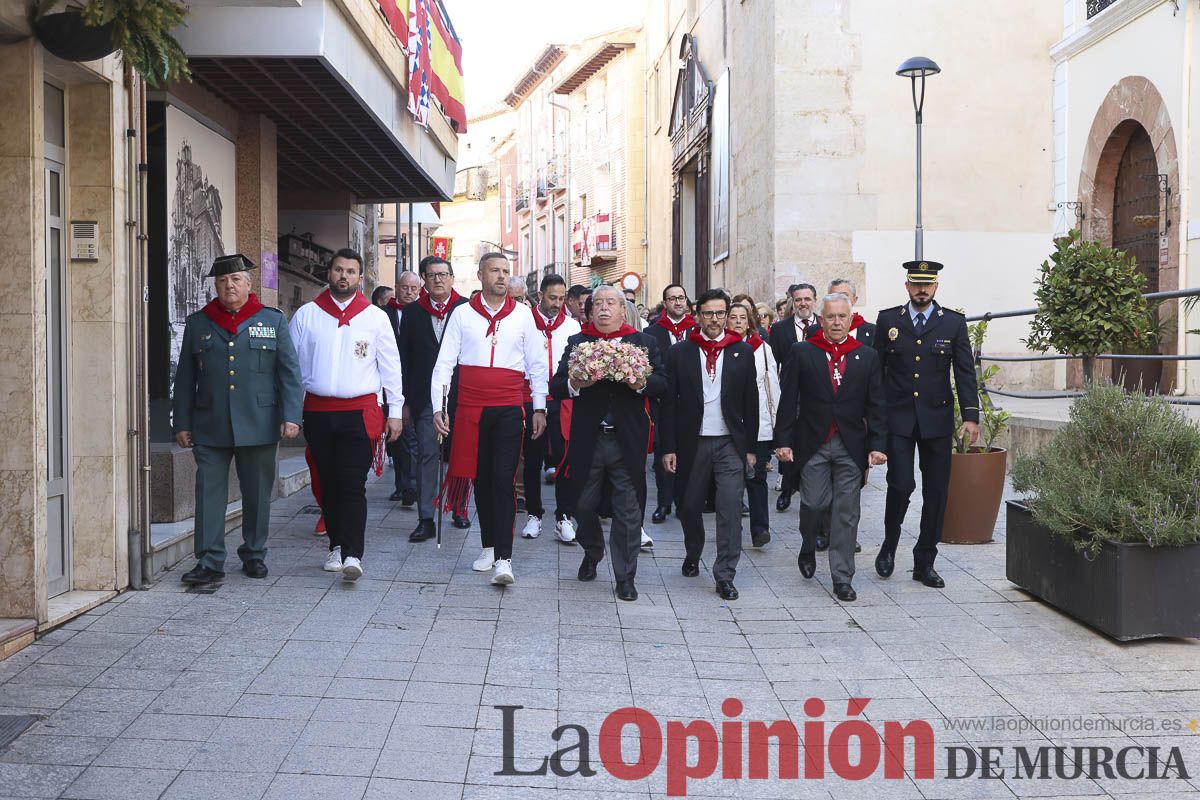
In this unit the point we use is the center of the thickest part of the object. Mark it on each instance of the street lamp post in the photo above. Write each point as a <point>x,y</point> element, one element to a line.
<point>918,68</point>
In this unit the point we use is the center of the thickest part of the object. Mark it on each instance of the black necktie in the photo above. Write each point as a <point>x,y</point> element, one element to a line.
<point>920,326</point>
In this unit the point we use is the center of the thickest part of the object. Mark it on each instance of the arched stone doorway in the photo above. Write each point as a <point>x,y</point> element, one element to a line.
<point>1129,190</point>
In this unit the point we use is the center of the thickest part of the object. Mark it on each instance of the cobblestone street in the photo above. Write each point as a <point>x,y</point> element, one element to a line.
<point>302,686</point>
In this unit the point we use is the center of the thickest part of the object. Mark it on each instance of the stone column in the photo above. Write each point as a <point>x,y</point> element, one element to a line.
<point>258,202</point>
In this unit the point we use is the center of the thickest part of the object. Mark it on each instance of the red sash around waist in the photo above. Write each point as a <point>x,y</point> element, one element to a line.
<point>478,388</point>
<point>373,421</point>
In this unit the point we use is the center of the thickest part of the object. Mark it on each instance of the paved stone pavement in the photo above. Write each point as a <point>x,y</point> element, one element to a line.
<point>301,686</point>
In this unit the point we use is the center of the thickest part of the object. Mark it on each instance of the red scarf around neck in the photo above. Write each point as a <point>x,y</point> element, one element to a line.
<point>476,303</point>
<point>847,345</point>
<point>230,320</point>
<point>856,321</point>
<point>590,329</point>
<point>326,303</point>
<point>677,329</point>
<point>426,302</point>
<point>712,350</point>
<point>396,304</point>
<point>552,325</point>
<point>754,340</point>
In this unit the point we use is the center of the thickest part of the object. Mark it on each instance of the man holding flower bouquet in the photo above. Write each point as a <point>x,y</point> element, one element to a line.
<point>608,371</point>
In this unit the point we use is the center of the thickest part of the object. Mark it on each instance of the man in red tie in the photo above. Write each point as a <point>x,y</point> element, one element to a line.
<point>347,352</point>
<point>670,329</point>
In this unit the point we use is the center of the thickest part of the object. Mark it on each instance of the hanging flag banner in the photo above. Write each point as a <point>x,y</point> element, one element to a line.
<point>434,64</point>
<point>441,247</point>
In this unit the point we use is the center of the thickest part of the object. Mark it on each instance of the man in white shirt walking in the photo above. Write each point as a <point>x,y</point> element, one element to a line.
<point>348,354</point>
<point>495,344</point>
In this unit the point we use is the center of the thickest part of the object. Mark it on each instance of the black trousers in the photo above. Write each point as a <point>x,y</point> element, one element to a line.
<point>756,490</point>
<point>664,481</point>
<point>501,432</point>
<point>342,452</point>
<point>538,452</point>
<point>935,482</point>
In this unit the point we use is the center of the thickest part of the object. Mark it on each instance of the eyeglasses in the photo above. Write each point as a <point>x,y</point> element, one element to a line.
<point>676,298</point>
<point>714,314</point>
<point>437,276</point>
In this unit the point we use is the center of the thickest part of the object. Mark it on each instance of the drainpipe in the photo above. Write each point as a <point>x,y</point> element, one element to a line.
<point>1182,368</point>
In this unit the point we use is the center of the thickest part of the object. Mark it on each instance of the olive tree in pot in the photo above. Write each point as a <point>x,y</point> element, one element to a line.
<point>976,473</point>
<point>1090,302</point>
<point>1110,530</point>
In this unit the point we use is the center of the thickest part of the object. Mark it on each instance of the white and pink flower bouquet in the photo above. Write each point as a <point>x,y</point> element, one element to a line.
<point>609,359</point>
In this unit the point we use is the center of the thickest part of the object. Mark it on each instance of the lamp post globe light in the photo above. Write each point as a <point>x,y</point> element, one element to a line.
<point>916,69</point>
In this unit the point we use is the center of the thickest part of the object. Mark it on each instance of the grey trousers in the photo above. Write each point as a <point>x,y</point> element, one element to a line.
<point>717,461</point>
<point>830,489</point>
<point>256,477</point>
<point>625,534</point>
<point>427,462</point>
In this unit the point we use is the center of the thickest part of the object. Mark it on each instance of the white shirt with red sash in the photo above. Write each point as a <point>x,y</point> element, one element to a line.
<point>555,333</point>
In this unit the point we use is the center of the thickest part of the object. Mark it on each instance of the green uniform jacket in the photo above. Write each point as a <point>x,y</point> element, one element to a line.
<point>236,390</point>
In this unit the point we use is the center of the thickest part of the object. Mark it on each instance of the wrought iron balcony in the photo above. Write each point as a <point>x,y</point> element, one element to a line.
<point>1094,7</point>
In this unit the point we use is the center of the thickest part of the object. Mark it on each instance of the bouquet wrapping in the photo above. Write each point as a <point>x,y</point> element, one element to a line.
<point>608,359</point>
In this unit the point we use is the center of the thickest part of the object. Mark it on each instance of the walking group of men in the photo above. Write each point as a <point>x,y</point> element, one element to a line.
<point>428,374</point>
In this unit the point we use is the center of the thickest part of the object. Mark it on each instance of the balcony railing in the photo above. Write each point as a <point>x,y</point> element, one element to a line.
<point>1094,7</point>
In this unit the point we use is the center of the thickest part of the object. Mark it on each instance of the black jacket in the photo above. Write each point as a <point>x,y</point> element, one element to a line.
<point>663,337</point>
<point>916,371</point>
<point>629,415</point>
<point>783,336</point>
<point>865,333</point>
<point>682,407</point>
<point>418,353</point>
<point>803,421</point>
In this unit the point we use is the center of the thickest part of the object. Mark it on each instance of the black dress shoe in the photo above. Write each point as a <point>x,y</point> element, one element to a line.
<point>462,522</point>
<point>885,562</point>
<point>760,539</point>
<point>626,591</point>
<point>727,590</point>
<point>929,577</point>
<point>660,515</point>
<point>409,498</point>
<point>396,496</point>
<point>844,592</point>
<point>423,532</point>
<point>254,568</point>
<point>587,570</point>
<point>198,576</point>
<point>807,562</point>
<point>690,569</point>
<point>822,542</point>
<point>857,547</point>
<point>785,500</point>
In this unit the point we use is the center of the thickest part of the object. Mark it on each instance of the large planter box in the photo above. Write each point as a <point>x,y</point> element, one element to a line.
<point>1130,591</point>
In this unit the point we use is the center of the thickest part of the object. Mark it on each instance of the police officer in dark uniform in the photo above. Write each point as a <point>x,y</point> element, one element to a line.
<point>919,343</point>
<point>237,391</point>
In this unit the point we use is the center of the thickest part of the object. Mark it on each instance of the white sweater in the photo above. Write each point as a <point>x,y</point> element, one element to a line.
<point>768,392</point>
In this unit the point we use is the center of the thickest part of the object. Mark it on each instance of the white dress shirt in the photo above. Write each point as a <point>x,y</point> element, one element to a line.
<point>713,423</point>
<point>348,360</point>
<point>518,345</point>
<point>558,339</point>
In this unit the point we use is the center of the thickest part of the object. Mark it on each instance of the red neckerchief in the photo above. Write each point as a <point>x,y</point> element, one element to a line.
<point>677,329</point>
<point>326,303</point>
<point>712,350</point>
<point>230,320</point>
<point>590,330</point>
<point>551,326</point>
<point>838,351</point>
<point>856,321</point>
<point>396,304</point>
<point>426,302</point>
<point>476,303</point>
<point>754,340</point>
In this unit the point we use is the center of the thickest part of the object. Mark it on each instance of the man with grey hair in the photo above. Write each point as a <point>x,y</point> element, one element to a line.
<point>831,433</point>
<point>517,289</point>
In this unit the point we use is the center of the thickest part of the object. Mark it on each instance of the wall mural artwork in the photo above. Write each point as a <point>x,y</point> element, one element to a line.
<point>201,216</point>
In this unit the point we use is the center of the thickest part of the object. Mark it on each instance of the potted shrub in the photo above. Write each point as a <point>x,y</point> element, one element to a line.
<point>1090,302</point>
<point>1110,531</point>
<point>140,29</point>
<point>976,473</point>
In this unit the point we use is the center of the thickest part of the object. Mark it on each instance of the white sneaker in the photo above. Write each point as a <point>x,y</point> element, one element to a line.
<point>533,527</point>
<point>779,484</point>
<point>503,575</point>
<point>334,562</point>
<point>551,474</point>
<point>487,558</point>
<point>565,531</point>
<point>646,540</point>
<point>351,569</point>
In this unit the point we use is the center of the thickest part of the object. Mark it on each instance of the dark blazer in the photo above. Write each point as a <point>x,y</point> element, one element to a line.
<point>418,354</point>
<point>783,336</point>
<point>804,420</point>
<point>662,337</point>
<point>629,415</point>
<point>865,333</point>
<point>916,371</point>
<point>682,407</point>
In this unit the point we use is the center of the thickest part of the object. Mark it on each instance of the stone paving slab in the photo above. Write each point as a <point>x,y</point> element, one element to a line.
<point>303,686</point>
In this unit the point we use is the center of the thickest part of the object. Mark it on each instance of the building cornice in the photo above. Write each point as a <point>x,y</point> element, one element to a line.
<point>1111,19</point>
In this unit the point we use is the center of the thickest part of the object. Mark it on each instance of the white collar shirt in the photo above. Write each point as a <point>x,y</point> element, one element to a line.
<point>555,344</point>
<point>713,422</point>
<point>517,345</point>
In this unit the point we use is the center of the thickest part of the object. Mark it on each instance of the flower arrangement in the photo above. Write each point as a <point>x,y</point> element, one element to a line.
<point>607,359</point>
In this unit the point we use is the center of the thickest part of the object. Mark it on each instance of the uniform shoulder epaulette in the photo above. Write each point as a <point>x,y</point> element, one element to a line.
<point>272,308</point>
<point>893,308</point>
<point>952,311</point>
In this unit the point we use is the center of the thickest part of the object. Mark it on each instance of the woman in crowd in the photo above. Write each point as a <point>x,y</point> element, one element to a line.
<point>744,322</point>
<point>766,317</point>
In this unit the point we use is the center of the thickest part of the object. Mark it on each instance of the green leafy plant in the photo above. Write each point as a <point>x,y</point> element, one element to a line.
<point>1125,468</point>
<point>142,32</point>
<point>992,420</point>
<point>1090,302</point>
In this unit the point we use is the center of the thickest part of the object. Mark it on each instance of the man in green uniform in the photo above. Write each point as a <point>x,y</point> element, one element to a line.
<point>237,391</point>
